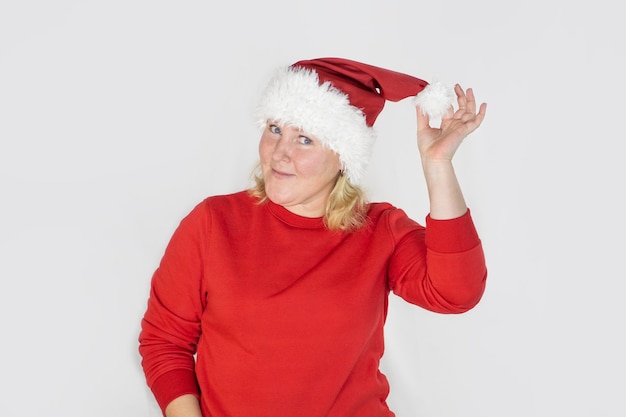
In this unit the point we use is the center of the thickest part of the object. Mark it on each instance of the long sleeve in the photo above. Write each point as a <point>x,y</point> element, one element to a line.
<point>441,267</point>
<point>171,325</point>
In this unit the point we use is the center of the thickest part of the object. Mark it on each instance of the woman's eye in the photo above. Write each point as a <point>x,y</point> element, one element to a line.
<point>305,141</point>
<point>274,129</point>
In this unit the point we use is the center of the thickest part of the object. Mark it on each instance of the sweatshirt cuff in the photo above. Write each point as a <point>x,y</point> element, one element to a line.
<point>172,385</point>
<point>452,235</point>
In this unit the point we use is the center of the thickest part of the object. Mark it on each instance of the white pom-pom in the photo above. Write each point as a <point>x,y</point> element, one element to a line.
<point>435,100</point>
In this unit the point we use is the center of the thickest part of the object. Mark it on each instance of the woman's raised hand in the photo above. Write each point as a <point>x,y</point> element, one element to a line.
<point>440,144</point>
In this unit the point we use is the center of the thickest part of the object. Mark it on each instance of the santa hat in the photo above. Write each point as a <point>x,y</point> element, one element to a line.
<point>338,100</point>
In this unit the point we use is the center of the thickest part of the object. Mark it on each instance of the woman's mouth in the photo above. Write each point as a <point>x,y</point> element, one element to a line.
<point>281,174</point>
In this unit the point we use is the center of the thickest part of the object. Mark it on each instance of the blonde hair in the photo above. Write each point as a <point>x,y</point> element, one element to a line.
<point>346,208</point>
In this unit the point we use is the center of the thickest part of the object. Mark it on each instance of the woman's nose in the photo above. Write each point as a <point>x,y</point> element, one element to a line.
<point>282,149</point>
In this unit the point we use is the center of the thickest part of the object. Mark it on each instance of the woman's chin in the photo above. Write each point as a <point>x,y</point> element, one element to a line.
<point>277,197</point>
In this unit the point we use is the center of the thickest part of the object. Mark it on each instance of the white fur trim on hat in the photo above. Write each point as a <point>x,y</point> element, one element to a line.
<point>295,97</point>
<point>435,100</point>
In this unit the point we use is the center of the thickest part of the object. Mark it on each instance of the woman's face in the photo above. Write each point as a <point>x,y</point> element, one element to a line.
<point>299,172</point>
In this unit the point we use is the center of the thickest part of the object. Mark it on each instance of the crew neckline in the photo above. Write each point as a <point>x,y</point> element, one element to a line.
<point>295,220</point>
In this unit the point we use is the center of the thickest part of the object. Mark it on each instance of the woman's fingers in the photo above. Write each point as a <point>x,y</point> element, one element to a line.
<point>465,118</point>
<point>470,101</point>
<point>422,119</point>
<point>460,97</point>
<point>467,104</point>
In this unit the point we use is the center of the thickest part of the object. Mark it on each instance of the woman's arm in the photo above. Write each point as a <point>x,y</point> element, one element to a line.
<point>170,328</point>
<point>437,147</point>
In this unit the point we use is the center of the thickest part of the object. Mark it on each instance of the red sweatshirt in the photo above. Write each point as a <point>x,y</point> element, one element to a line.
<point>285,317</point>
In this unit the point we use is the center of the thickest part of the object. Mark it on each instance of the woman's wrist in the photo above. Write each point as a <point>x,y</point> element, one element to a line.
<point>184,406</point>
<point>444,191</point>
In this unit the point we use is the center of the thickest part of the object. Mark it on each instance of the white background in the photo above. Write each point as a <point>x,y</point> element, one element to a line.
<point>117,117</point>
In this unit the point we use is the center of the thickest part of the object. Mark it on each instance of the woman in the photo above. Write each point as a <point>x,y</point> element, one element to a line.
<point>272,301</point>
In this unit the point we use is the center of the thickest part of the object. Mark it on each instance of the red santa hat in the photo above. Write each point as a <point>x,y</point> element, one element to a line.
<point>338,100</point>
